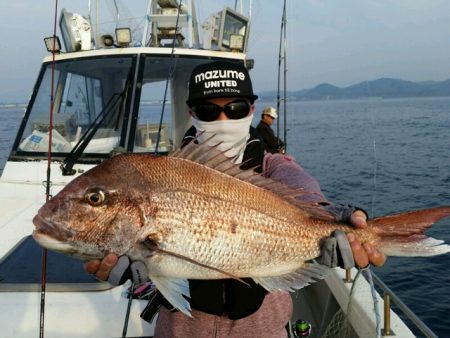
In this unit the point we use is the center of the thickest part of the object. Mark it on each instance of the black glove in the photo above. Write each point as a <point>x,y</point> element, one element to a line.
<point>336,251</point>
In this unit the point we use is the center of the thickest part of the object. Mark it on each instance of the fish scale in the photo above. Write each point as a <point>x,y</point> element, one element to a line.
<point>257,235</point>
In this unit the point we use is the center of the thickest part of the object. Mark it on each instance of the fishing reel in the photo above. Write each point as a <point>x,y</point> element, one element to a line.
<point>301,328</point>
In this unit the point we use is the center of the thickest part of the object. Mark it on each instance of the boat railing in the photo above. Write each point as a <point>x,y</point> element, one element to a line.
<point>389,295</point>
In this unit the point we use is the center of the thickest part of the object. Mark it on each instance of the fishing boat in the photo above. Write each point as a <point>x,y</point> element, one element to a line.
<point>92,100</point>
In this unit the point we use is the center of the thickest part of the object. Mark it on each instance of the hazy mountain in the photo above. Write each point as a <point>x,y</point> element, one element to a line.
<point>385,87</point>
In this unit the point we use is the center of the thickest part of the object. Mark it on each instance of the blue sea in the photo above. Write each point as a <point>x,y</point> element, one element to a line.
<point>384,155</point>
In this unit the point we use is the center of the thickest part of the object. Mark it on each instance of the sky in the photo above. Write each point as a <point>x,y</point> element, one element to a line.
<point>328,41</point>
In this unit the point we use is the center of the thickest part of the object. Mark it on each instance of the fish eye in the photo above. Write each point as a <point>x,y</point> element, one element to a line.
<point>95,197</point>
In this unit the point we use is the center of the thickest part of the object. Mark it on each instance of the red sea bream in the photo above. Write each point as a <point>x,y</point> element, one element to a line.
<point>195,215</point>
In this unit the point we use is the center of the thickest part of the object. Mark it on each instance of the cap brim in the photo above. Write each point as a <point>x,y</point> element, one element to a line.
<point>253,97</point>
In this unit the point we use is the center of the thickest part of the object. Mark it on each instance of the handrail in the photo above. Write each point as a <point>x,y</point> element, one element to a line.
<point>404,308</point>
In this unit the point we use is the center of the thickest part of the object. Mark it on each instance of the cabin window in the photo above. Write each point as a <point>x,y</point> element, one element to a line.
<point>151,109</point>
<point>174,115</point>
<point>88,93</point>
<point>82,99</point>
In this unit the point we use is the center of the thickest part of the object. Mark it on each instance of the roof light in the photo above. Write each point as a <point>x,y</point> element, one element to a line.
<point>232,23</point>
<point>236,42</point>
<point>52,44</point>
<point>226,30</point>
<point>123,36</point>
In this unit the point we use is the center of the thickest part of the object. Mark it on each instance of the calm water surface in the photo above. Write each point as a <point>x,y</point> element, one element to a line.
<point>385,156</point>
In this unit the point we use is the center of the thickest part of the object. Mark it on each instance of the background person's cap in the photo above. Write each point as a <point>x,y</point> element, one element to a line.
<point>220,79</point>
<point>271,111</point>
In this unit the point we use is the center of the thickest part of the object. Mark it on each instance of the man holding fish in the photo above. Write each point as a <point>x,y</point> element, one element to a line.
<point>221,104</point>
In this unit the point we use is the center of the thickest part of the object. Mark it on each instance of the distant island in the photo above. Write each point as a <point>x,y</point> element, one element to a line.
<point>383,88</point>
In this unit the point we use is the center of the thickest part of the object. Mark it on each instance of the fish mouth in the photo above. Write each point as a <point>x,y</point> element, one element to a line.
<point>51,230</point>
<point>51,243</point>
<point>59,238</point>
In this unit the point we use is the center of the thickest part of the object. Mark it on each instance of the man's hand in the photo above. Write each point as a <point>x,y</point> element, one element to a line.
<point>116,270</point>
<point>366,253</point>
<point>346,251</point>
<point>101,268</point>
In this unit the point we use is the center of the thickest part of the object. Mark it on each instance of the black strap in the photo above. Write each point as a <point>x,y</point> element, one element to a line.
<point>156,301</point>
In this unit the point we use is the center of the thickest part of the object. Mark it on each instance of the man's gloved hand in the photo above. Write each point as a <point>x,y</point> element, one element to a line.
<point>124,269</point>
<point>137,271</point>
<point>336,251</point>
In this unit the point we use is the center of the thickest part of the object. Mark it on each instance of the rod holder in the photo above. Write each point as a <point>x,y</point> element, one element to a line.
<point>387,314</point>
<point>348,276</point>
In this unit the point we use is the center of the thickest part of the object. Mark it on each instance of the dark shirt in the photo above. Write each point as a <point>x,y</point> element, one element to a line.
<point>272,143</point>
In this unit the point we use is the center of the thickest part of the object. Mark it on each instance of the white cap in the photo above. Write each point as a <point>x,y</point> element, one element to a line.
<point>271,111</point>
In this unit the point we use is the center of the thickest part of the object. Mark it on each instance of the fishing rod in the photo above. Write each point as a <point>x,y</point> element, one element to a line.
<point>284,79</point>
<point>48,181</point>
<point>282,57</point>
<point>169,76</point>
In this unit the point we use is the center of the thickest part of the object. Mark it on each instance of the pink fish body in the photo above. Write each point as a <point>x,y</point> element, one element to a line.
<point>196,216</point>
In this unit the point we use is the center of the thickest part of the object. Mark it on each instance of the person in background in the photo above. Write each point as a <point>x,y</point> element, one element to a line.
<point>226,307</point>
<point>272,143</point>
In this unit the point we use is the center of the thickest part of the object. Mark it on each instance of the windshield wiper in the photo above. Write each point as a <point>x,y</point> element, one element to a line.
<point>75,153</point>
<point>111,105</point>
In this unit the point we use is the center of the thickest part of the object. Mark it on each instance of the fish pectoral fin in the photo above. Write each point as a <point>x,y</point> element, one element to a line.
<point>173,289</point>
<point>298,279</point>
<point>154,247</point>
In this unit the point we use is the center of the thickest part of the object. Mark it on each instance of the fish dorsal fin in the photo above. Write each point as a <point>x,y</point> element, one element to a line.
<point>214,158</point>
<point>308,274</point>
<point>197,152</point>
<point>173,290</point>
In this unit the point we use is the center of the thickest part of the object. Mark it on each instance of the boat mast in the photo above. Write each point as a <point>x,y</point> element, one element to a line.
<point>147,16</point>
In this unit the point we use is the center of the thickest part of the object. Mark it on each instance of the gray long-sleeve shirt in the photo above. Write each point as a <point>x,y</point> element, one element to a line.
<point>287,170</point>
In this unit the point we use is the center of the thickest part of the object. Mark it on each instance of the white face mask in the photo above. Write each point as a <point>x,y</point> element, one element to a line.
<point>232,133</point>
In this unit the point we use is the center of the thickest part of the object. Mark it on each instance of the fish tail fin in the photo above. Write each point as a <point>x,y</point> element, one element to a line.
<point>403,234</point>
